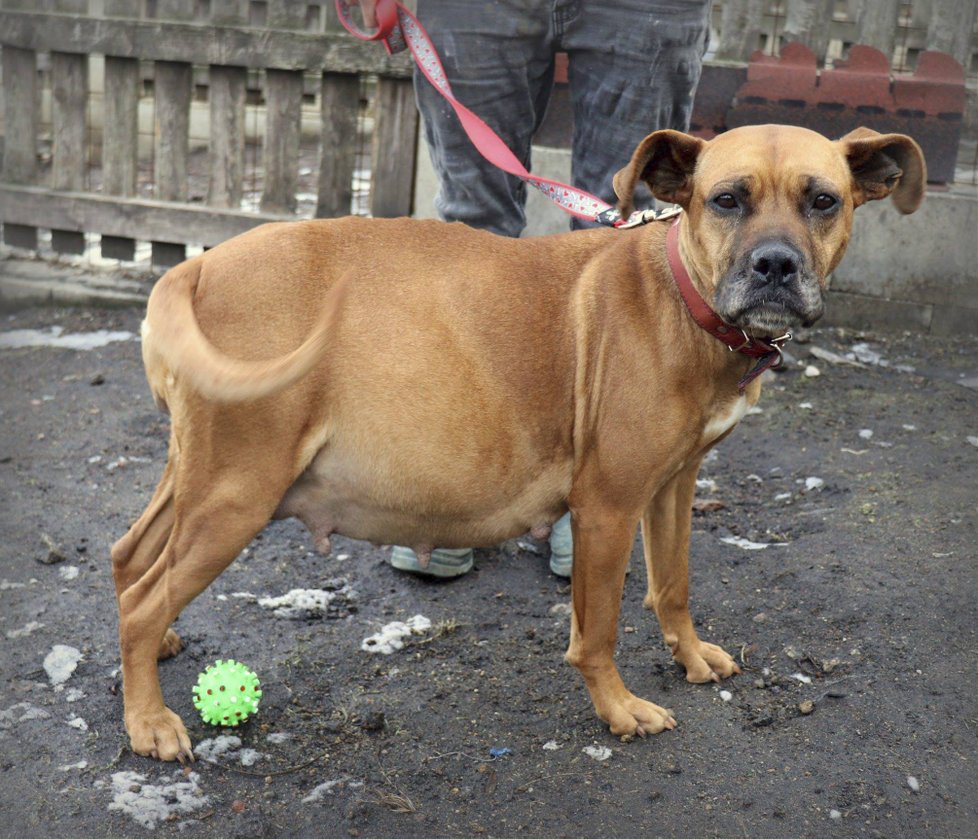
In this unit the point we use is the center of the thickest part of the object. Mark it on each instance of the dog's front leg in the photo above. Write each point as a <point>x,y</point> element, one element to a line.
<point>602,545</point>
<point>665,533</point>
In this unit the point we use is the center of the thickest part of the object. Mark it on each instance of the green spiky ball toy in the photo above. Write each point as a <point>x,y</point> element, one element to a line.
<point>226,693</point>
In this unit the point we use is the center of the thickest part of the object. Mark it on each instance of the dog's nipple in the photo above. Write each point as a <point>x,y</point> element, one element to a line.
<point>540,531</point>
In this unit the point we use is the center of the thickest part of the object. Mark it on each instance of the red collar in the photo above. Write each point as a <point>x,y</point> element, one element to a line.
<point>768,350</point>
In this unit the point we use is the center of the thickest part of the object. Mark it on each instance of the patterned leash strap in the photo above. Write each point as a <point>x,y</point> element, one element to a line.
<point>398,29</point>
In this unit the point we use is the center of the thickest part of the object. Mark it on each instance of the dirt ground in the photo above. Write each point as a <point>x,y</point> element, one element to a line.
<point>857,626</point>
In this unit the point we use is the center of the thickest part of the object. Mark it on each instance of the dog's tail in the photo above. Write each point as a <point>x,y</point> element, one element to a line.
<point>172,335</point>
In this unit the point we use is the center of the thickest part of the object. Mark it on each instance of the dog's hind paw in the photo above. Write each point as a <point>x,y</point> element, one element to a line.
<point>159,735</point>
<point>170,645</point>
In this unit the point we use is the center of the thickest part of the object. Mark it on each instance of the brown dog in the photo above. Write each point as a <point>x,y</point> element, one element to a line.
<point>427,384</point>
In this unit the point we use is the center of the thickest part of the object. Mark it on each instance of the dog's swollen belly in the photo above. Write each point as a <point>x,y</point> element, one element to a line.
<point>362,498</point>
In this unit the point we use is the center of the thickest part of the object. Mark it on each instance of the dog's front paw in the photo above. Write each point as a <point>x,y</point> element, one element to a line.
<point>160,735</point>
<point>706,663</point>
<point>634,716</point>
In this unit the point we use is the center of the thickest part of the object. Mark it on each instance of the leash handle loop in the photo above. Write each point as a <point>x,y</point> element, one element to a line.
<point>388,28</point>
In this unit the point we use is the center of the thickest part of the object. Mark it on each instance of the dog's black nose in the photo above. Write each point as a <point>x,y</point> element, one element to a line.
<point>775,264</point>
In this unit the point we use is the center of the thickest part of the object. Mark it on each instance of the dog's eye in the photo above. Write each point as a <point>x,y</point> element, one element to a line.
<point>726,201</point>
<point>824,202</point>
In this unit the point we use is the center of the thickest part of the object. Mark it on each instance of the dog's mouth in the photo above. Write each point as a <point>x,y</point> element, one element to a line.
<point>771,314</point>
<point>770,291</point>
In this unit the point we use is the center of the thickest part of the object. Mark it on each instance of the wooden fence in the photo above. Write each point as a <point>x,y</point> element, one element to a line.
<point>282,56</point>
<point>295,110</point>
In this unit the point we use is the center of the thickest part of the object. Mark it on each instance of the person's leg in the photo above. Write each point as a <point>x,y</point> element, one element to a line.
<point>498,58</point>
<point>633,69</point>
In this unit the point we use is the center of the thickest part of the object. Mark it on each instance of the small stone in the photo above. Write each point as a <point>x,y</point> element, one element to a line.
<point>806,707</point>
<point>913,783</point>
<point>812,372</point>
<point>54,555</point>
<point>835,814</point>
<point>760,617</point>
<point>97,379</point>
<point>726,695</point>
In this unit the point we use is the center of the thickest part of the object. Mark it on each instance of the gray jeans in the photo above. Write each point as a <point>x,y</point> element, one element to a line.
<point>633,68</point>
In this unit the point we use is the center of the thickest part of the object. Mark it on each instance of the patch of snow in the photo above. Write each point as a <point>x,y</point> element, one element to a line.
<point>249,757</point>
<point>302,603</point>
<point>24,631</point>
<point>68,572</point>
<point>74,694</point>
<point>149,804</point>
<point>391,637</point>
<point>862,352</point>
<point>866,433</point>
<point>21,712</point>
<point>813,483</point>
<point>327,788</point>
<point>913,783</point>
<point>79,723</point>
<point>277,737</point>
<point>215,747</point>
<point>68,767</point>
<point>801,677</point>
<point>748,545</point>
<point>551,746</point>
<point>61,662</point>
<point>55,337</point>
<point>706,484</point>
<point>597,752</point>
<point>726,695</point>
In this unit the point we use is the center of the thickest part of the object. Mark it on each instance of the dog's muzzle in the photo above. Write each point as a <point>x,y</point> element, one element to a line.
<point>770,291</point>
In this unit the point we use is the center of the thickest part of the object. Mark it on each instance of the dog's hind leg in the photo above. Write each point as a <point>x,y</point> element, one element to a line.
<point>215,513</point>
<point>665,535</point>
<point>134,554</point>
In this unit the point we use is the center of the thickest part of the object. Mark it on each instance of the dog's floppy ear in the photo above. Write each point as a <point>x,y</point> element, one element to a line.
<point>665,160</point>
<point>885,164</point>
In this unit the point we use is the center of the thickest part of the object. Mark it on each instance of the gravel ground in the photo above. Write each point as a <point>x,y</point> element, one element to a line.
<point>856,625</point>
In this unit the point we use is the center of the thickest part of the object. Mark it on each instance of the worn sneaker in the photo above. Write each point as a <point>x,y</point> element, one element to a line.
<point>445,562</point>
<point>561,547</point>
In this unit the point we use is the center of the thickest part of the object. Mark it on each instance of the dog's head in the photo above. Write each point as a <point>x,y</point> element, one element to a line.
<point>770,209</point>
